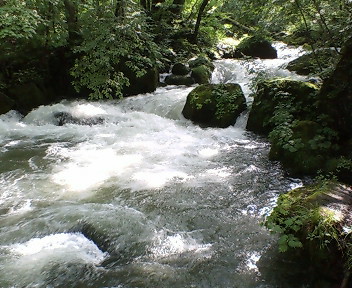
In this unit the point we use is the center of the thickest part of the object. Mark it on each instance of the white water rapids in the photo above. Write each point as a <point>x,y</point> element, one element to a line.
<point>143,199</point>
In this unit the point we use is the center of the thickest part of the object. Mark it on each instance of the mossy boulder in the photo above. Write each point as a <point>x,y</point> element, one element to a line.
<point>314,222</point>
<point>179,80</point>
<point>201,69</point>
<point>201,74</point>
<point>138,85</point>
<point>314,63</point>
<point>200,61</point>
<point>275,96</point>
<point>256,46</point>
<point>6,103</point>
<point>215,105</point>
<point>180,69</point>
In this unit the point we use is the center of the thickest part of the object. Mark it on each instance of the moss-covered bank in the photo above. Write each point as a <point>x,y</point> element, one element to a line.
<point>316,222</point>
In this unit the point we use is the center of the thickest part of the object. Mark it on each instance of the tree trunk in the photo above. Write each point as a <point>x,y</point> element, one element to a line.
<point>307,29</point>
<point>71,18</point>
<point>120,9</point>
<point>199,19</point>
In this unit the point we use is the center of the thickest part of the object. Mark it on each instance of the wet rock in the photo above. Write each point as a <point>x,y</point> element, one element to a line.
<point>201,74</point>
<point>314,63</point>
<point>256,46</point>
<point>200,61</point>
<point>139,85</point>
<point>273,94</point>
<point>179,80</point>
<point>215,105</point>
<point>180,69</point>
<point>97,237</point>
<point>63,118</point>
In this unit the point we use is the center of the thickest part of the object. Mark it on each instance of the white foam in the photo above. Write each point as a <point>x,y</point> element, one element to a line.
<point>177,244</point>
<point>64,246</point>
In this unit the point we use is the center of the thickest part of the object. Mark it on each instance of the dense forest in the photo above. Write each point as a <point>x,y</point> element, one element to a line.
<point>109,49</point>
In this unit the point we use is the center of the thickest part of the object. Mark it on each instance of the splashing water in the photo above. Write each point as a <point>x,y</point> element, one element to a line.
<point>143,199</point>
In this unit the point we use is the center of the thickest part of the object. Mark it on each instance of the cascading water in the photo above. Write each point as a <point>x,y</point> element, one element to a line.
<point>142,199</point>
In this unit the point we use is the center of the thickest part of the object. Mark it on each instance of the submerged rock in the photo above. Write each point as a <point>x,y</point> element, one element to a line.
<point>256,46</point>
<point>62,118</point>
<point>215,105</point>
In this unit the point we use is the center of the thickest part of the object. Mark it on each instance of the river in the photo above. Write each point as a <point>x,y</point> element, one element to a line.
<point>144,198</point>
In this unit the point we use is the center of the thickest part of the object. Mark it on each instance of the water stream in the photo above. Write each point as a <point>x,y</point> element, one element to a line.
<point>143,199</point>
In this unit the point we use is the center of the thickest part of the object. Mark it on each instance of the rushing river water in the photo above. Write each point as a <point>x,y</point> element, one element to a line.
<point>142,199</point>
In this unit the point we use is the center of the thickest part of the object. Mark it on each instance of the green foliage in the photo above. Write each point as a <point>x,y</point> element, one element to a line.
<point>110,46</point>
<point>226,100</point>
<point>298,217</point>
<point>18,22</point>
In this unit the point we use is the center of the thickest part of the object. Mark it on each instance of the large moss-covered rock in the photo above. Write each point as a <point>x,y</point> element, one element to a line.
<point>286,111</point>
<point>201,69</point>
<point>201,74</point>
<point>138,85</point>
<point>315,220</point>
<point>215,105</point>
<point>256,46</point>
<point>6,103</point>
<point>200,61</point>
<point>180,69</point>
<point>279,95</point>
<point>314,63</point>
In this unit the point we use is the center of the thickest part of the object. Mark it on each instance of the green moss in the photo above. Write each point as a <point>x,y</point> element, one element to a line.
<point>277,99</point>
<point>201,74</point>
<point>216,105</point>
<point>310,218</point>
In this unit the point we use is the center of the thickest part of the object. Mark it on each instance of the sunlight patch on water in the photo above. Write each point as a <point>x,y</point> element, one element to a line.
<point>252,261</point>
<point>208,152</point>
<point>87,110</point>
<point>157,178</point>
<point>89,169</point>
